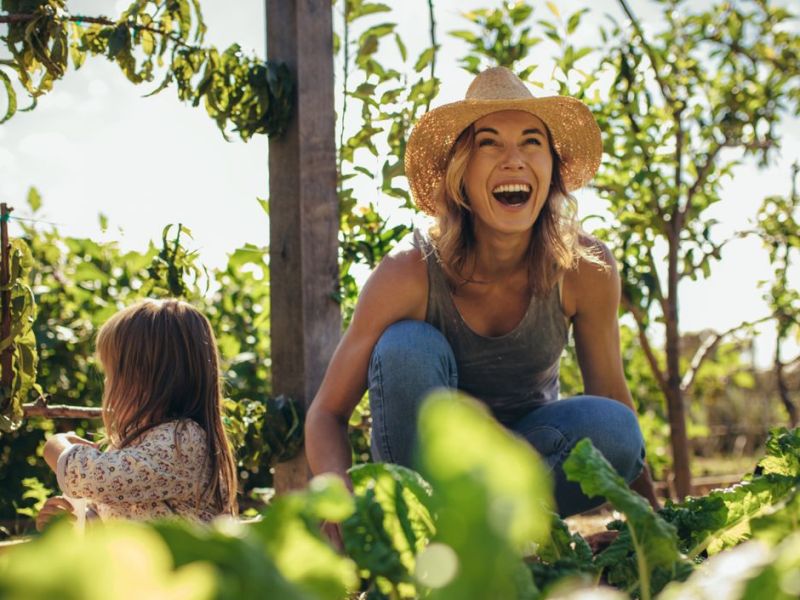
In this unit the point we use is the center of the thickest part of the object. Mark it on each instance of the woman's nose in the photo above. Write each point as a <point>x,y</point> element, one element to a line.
<point>512,159</point>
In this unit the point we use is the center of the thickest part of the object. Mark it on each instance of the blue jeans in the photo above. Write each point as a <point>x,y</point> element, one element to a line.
<point>412,358</point>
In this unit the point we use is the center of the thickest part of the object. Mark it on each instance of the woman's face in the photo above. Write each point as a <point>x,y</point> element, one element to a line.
<point>507,178</point>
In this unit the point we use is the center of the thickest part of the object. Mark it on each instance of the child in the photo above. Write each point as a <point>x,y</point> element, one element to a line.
<point>168,454</point>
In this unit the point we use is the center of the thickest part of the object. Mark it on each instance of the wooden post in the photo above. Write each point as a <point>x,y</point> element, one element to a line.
<point>7,357</point>
<point>304,213</point>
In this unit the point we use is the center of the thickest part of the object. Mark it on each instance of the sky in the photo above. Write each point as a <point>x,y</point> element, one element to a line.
<point>95,145</point>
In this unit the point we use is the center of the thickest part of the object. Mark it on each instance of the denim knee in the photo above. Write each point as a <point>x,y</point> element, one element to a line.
<point>409,360</point>
<point>414,346</point>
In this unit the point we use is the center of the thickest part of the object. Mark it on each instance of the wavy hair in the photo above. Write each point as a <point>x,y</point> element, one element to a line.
<point>555,244</point>
<point>161,364</point>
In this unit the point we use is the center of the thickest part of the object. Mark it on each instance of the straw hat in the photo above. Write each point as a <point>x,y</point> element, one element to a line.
<point>573,131</point>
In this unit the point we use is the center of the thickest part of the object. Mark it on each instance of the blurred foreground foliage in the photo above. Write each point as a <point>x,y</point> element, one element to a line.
<point>476,522</point>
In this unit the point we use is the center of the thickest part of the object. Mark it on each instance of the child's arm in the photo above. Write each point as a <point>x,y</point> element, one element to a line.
<point>59,443</point>
<point>152,470</point>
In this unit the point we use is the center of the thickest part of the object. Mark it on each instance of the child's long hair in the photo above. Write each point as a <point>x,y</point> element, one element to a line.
<point>161,364</point>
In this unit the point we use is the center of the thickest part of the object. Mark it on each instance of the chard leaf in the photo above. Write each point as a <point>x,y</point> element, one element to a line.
<point>563,555</point>
<point>392,522</point>
<point>721,519</point>
<point>290,535</point>
<point>782,453</point>
<point>654,541</point>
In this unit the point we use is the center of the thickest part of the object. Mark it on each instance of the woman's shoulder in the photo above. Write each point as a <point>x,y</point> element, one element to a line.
<point>405,263</point>
<point>398,287</point>
<point>594,276</point>
<point>594,254</point>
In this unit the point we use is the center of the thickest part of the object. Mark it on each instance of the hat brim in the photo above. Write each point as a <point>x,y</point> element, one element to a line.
<point>574,133</point>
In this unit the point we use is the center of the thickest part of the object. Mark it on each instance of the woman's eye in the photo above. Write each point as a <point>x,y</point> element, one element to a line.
<point>533,141</point>
<point>486,142</point>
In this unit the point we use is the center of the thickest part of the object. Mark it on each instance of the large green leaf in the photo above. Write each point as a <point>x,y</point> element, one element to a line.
<point>492,494</point>
<point>119,560</point>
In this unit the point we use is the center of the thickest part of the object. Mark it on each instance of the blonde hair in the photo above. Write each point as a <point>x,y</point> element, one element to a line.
<point>555,244</point>
<point>161,364</point>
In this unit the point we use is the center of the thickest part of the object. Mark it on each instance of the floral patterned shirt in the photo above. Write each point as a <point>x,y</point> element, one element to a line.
<point>160,474</point>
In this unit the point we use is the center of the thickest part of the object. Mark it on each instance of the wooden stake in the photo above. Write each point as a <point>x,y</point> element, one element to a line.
<point>304,213</point>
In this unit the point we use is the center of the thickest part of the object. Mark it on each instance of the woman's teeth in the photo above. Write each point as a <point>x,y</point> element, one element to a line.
<point>512,194</point>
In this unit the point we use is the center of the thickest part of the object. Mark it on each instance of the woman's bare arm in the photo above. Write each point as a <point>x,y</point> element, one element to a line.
<point>396,290</point>
<point>595,295</point>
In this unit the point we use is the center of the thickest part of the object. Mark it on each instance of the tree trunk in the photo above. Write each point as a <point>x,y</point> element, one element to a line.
<point>675,400</point>
<point>783,387</point>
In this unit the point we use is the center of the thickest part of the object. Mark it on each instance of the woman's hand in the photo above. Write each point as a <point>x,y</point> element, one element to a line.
<point>333,531</point>
<point>54,507</point>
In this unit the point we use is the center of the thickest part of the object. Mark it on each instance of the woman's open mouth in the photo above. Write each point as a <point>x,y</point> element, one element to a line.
<point>512,194</point>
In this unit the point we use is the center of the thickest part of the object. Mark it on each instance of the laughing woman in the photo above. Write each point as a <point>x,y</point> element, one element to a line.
<point>484,301</point>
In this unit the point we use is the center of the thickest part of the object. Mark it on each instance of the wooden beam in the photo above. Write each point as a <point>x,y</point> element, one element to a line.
<point>304,213</point>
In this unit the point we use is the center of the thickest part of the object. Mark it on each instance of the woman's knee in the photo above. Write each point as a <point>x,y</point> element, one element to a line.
<point>622,441</point>
<point>415,346</point>
<point>410,359</point>
<point>612,427</point>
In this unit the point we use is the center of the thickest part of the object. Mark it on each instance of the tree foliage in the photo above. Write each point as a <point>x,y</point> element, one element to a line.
<point>722,78</point>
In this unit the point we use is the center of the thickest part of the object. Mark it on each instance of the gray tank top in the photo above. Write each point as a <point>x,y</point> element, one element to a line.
<point>511,373</point>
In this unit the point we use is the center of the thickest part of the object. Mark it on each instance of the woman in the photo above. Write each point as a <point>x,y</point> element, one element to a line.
<point>484,302</point>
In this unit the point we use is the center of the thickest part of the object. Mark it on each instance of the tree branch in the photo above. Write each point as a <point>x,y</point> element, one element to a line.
<point>433,45</point>
<point>41,408</point>
<point>707,347</point>
<point>22,18</point>
<point>650,54</point>
<point>647,159</point>
<point>660,293</point>
<point>702,173</point>
<point>658,373</point>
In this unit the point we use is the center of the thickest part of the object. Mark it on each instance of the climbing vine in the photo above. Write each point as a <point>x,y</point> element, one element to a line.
<point>242,94</point>
<point>19,373</point>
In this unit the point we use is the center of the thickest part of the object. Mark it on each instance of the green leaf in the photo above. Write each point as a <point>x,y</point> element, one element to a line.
<point>61,564</point>
<point>553,9</point>
<point>574,20</point>
<point>392,521</point>
<point>11,95</point>
<point>465,35</point>
<point>489,486</point>
<point>369,8</point>
<point>425,59</point>
<point>119,41</point>
<point>401,47</point>
<point>34,199</point>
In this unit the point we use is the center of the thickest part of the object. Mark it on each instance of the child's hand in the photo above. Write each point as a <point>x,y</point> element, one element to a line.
<point>53,507</point>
